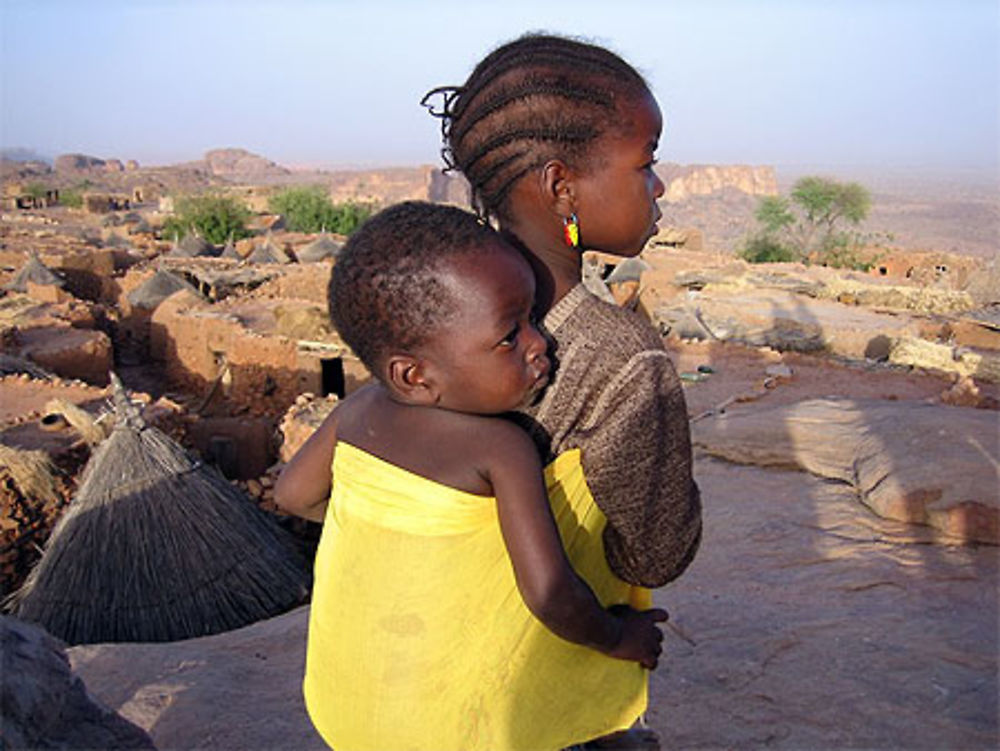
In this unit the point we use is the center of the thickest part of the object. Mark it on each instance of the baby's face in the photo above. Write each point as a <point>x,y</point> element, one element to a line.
<point>489,357</point>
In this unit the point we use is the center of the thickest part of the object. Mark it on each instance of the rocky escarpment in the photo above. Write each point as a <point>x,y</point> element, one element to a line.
<point>684,181</point>
<point>240,163</point>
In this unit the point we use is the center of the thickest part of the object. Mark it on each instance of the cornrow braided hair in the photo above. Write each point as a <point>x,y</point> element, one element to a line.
<point>537,98</point>
<point>385,292</point>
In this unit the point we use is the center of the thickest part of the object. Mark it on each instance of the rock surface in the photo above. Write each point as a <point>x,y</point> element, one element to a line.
<point>238,690</point>
<point>805,622</point>
<point>912,462</point>
<point>45,706</point>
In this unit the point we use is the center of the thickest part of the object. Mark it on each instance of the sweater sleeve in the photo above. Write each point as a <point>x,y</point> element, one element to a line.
<point>638,442</point>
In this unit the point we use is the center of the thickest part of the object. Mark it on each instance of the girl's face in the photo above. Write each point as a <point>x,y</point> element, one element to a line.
<point>488,357</point>
<point>615,199</point>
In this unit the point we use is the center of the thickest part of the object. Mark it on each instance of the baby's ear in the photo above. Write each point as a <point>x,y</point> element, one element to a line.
<point>406,375</point>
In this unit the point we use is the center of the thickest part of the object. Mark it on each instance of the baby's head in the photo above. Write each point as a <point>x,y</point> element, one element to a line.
<point>438,306</point>
<point>530,101</point>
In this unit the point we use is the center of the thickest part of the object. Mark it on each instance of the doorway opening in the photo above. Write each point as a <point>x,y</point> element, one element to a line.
<point>332,377</point>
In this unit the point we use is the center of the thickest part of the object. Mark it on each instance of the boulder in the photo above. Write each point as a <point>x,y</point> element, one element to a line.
<point>920,353</point>
<point>69,352</point>
<point>783,320</point>
<point>46,706</point>
<point>921,463</point>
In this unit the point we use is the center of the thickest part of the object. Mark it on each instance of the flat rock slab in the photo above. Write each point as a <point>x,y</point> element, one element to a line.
<point>810,623</point>
<point>237,690</point>
<point>785,321</point>
<point>908,461</point>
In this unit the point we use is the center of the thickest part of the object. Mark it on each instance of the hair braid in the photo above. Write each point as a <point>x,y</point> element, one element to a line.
<point>537,98</point>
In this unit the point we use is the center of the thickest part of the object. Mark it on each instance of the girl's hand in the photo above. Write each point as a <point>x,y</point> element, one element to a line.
<point>641,639</point>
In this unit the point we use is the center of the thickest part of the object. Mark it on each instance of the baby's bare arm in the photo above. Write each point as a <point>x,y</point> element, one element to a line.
<point>303,489</point>
<point>550,587</point>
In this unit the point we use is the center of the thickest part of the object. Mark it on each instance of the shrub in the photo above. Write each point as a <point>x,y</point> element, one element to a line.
<point>309,209</point>
<point>71,197</point>
<point>215,218</point>
<point>766,249</point>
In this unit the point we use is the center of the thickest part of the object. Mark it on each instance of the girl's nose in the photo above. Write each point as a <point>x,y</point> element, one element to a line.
<point>658,187</point>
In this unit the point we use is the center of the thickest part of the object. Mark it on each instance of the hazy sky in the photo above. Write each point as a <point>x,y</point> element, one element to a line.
<point>785,82</point>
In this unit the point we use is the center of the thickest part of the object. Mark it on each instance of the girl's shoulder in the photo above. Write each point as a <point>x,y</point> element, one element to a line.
<point>596,324</point>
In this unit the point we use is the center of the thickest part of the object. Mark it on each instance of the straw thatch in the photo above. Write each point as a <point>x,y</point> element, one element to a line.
<point>32,473</point>
<point>268,252</point>
<point>14,365</point>
<point>229,251</point>
<point>319,249</point>
<point>36,272</point>
<point>158,288</point>
<point>192,246</point>
<point>157,546</point>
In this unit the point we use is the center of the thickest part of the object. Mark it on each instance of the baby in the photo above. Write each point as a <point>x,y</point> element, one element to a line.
<point>446,612</point>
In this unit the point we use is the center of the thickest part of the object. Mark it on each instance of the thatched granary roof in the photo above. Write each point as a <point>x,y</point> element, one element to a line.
<point>268,252</point>
<point>157,546</point>
<point>36,272</point>
<point>158,288</point>
<point>192,246</point>
<point>229,251</point>
<point>322,247</point>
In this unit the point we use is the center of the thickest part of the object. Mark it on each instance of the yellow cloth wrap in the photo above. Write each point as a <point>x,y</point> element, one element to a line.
<point>419,638</point>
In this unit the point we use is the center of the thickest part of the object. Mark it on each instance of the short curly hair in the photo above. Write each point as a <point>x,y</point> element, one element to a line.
<point>385,292</point>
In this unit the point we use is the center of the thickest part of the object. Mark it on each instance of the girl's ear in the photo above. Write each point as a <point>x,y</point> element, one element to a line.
<point>558,186</point>
<point>407,377</point>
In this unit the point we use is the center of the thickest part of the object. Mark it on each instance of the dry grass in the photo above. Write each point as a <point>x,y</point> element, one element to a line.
<point>32,472</point>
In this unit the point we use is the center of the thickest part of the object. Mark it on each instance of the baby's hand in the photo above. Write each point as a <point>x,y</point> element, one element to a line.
<point>641,637</point>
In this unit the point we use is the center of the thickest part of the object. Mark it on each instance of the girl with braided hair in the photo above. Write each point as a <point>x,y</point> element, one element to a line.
<point>557,138</point>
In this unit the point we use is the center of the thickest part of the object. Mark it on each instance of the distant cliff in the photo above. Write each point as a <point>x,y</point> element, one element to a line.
<point>240,164</point>
<point>686,180</point>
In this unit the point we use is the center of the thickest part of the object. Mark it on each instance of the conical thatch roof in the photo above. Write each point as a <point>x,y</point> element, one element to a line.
<point>320,248</point>
<point>158,288</point>
<point>268,252</point>
<point>229,251</point>
<point>192,246</point>
<point>36,272</point>
<point>157,546</point>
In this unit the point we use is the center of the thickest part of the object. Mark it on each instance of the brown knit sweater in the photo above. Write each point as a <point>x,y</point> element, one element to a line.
<point>616,396</point>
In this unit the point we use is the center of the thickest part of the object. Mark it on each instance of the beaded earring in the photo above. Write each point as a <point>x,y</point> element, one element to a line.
<point>571,231</point>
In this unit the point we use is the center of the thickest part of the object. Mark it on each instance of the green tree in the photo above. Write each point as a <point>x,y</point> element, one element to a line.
<point>36,190</point>
<point>774,214</point>
<point>807,224</point>
<point>823,203</point>
<point>309,209</point>
<point>216,218</point>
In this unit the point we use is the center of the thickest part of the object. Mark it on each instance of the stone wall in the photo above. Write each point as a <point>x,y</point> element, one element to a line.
<point>208,350</point>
